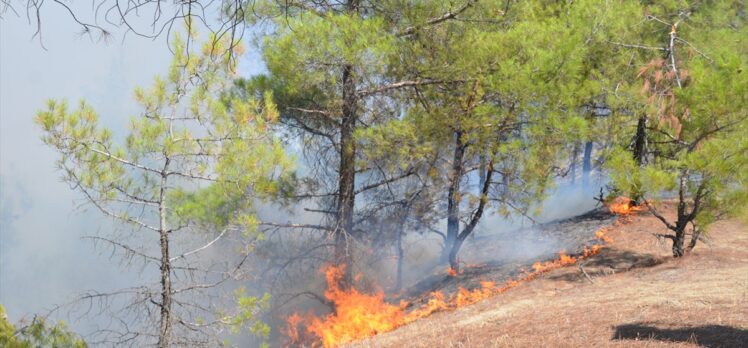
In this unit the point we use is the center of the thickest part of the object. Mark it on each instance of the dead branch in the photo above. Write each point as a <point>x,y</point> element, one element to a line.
<point>200,248</point>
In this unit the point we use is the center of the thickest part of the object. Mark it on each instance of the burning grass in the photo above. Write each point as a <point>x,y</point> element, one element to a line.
<point>624,206</point>
<point>358,315</point>
<point>667,303</point>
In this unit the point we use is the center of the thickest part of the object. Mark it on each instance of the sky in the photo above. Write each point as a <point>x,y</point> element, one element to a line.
<point>43,259</point>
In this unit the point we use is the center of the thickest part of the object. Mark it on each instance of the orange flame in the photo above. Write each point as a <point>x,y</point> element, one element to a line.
<point>436,303</point>
<point>623,206</point>
<point>292,327</point>
<point>358,315</point>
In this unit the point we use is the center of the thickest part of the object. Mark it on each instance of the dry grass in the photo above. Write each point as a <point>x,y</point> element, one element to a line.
<point>640,298</point>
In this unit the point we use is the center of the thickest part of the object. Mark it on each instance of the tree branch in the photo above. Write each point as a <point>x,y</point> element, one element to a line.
<point>200,248</point>
<point>673,34</point>
<point>657,214</point>
<point>112,214</point>
<point>404,84</point>
<point>385,182</point>
<point>638,46</point>
<point>481,206</point>
<point>127,248</point>
<point>122,160</point>
<point>317,227</point>
<point>447,16</point>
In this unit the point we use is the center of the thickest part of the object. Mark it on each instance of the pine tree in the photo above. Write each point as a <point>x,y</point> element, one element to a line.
<point>188,170</point>
<point>693,87</point>
<point>329,67</point>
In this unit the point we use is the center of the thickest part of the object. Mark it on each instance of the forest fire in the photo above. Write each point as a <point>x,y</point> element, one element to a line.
<point>623,206</point>
<point>358,315</point>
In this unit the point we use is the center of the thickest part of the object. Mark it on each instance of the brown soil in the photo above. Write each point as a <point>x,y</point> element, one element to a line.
<point>636,296</point>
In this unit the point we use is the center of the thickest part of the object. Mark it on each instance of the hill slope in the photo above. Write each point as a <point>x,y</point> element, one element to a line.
<point>633,295</point>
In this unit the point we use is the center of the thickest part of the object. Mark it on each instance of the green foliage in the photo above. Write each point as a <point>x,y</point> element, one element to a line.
<point>513,86</point>
<point>697,117</point>
<point>196,158</point>
<point>305,53</point>
<point>37,334</point>
<point>521,76</point>
<point>226,142</point>
<point>250,307</point>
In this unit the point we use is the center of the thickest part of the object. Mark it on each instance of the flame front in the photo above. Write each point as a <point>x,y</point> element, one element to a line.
<point>358,315</point>
<point>623,206</point>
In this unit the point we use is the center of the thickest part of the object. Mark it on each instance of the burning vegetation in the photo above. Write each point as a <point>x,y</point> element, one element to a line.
<point>624,206</point>
<point>358,315</point>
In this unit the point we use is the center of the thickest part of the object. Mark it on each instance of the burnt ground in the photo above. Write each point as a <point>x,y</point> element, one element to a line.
<point>499,257</point>
<point>636,295</point>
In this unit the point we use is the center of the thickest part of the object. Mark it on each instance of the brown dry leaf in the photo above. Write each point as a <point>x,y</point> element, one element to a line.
<point>658,76</point>
<point>642,70</point>
<point>645,87</point>
<point>683,74</point>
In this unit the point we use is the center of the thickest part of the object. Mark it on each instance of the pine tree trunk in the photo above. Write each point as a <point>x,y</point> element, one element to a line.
<point>165,327</point>
<point>474,219</point>
<point>640,151</point>
<point>682,217</point>
<point>453,251</point>
<point>573,169</point>
<point>400,254</point>
<point>347,170</point>
<point>678,241</point>
<point>347,175</point>
<point>640,141</point>
<point>453,197</point>
<point>587,164</point>
<point>694,239</point>
<point>482,175</point>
